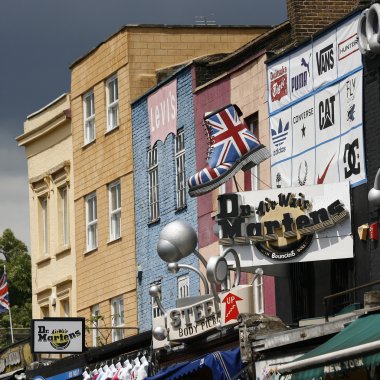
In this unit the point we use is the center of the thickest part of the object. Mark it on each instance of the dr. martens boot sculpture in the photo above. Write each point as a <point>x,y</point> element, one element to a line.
<point>231,147</point>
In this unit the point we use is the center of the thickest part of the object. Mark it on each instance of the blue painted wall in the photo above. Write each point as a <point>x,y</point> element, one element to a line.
<point>154,269</point>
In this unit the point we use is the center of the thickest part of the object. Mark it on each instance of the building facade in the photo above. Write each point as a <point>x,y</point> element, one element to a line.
<point>161,193</point>
<point>103,84</point>
<point>48,146</point>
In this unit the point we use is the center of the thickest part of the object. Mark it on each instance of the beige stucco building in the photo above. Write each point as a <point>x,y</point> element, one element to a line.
<point>103,84</point>
<point>48,147</point>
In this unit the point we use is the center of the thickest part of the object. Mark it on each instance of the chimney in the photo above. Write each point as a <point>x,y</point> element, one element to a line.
<point>310,16</point>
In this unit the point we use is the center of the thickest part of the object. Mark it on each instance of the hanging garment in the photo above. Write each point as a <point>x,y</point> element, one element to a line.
<point>142,372</point>
<point>135,368</point>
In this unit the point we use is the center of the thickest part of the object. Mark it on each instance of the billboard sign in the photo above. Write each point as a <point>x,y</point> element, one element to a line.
<point>316,128</point>
<point>286,225</point>
<point>58,335</point>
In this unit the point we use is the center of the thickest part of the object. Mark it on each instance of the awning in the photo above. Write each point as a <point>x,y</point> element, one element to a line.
<point>223,364</point>
<point>356,346</point>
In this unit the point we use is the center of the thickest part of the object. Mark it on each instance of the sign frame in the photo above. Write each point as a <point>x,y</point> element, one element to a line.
<point>61,322</point>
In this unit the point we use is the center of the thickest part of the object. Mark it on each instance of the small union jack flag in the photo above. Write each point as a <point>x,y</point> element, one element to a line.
<point>4,294</point>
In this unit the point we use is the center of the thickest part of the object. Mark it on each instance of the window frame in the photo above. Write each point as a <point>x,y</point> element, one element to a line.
<point>183,286</point>
<point>116,213</point>
<point>89,121</point>
<point>252,122</point>
<point>180,169</point>
<point>95,312</point>
<point>112,87</point>
<point>117,334</point>
<point>153,185</point>
<point>44,223</point>
<point>91,223</point>
<point>63,192</point>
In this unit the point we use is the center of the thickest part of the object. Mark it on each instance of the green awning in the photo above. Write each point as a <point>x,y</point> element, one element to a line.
<point>356,346</point>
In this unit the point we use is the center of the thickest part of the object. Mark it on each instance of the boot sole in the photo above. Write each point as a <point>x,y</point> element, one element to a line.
<point>246,162</point>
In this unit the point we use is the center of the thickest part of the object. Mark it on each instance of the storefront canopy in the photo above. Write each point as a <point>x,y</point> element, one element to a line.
<point>224,365</point>
<point>356,346</point>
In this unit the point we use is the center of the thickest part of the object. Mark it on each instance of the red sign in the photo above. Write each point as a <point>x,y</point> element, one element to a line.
<point>279,83</point>
<point>162,109</point>
<point>374,231</point>
<point>232,310</point>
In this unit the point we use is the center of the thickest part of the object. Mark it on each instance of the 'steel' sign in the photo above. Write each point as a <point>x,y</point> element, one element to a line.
<point>162,109</point>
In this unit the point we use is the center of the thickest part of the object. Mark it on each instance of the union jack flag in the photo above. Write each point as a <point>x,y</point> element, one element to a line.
<point>4,294</point>
<point>231,138</point>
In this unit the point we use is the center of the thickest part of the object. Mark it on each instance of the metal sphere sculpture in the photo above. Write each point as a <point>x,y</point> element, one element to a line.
<point>176,241</point>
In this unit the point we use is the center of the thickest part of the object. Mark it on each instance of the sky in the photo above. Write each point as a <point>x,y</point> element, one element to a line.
<point>39,39</point>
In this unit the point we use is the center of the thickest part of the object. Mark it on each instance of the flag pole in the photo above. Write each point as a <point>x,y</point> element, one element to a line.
<point>10,314</point>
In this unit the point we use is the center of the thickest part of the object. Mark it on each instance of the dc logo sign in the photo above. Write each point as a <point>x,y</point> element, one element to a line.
<point>368,30</point>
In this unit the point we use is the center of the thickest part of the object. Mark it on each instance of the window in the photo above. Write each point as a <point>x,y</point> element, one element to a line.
<point>63,216</point>
<point>95,315</point>
<point>180,169</point>
<point>115,210</point>
<point>183,286</point>
<point>156,312</point>
<point>253,124</point>
<point>154,212</point>
<point>44,224</point>
<point>89,117</point>
<point>117,311</point>
<point>258,293</point>
<point>44,311</point>
<point>112,103</point>
<point>65,308</point>
<point>91,222</point>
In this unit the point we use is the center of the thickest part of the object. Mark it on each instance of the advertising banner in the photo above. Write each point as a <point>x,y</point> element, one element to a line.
<point>162,109</point>
<point>286,225</point>
<point>317,127</point>
<point>58,335</point>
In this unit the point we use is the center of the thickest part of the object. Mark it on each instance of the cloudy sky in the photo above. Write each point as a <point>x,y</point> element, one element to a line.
<point>39,39</point>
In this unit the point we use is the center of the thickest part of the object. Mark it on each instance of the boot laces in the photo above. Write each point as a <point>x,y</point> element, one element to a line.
<point>210,139</point>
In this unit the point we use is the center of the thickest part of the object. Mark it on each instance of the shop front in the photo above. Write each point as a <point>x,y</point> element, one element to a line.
<point>353,353</point>
<point>14,359</point>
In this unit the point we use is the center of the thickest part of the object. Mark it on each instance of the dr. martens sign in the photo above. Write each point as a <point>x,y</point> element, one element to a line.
<point>275,226</point>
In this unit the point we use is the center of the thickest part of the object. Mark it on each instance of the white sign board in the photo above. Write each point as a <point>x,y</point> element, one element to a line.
<point>275,226</point>
<point>316,120</point>
<point>58,335</point>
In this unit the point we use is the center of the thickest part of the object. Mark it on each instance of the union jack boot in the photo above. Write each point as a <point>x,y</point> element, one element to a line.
<point>231,147</point>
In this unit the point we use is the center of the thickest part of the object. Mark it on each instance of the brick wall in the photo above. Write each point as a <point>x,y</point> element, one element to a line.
<point>310,16</point>
<point>154,269</point>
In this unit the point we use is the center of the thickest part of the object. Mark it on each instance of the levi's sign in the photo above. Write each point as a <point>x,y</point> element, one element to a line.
<point>286,224</point>
<point>162,110</point>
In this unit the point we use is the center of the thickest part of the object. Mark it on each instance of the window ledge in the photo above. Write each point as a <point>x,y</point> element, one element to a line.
<point>113,241</point>
<point>62,251</point>
<point>110,131</point>
<point>181,208</point>
<point>85,145</point>
<point>90,251</point>
<point>155,221</point>
<point>43,260</point>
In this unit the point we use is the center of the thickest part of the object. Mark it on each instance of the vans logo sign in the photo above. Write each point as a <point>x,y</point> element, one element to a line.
<point>325,59</point>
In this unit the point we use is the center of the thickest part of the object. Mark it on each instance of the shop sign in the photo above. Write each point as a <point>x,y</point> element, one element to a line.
<point>162,110</point>
<point>58,335</point>
<point>274,226</point>
<point>14,358</point>
<point>188,322</point>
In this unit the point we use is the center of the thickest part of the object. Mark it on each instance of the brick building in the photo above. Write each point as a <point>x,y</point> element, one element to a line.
<point>104,81</point>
